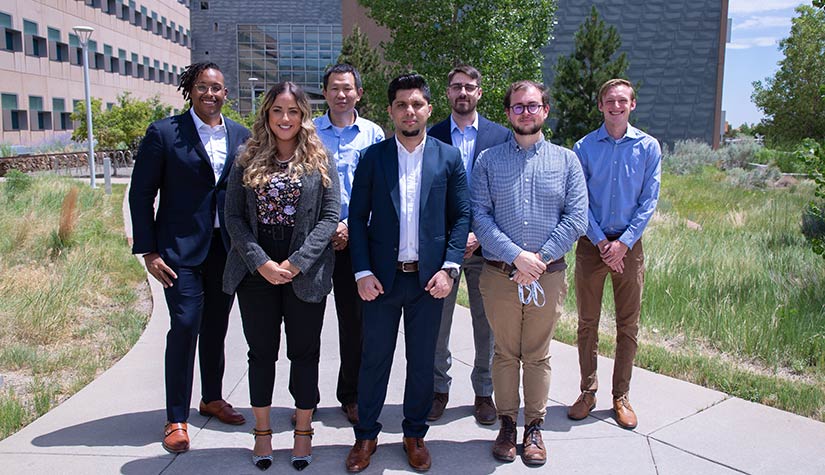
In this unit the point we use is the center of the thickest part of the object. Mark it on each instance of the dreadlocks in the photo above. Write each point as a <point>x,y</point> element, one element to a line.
<point>190,74</point>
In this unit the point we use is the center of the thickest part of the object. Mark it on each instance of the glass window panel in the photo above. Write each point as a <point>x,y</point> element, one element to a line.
<point>9,101</point>
<point>36,103</point>
<point>29,28</point>
<point>54,34</point>
<point>59,105</point>
<point>5,20</point>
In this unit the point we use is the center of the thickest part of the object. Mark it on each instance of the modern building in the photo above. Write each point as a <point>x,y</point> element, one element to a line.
<point>139,46</point>
<point>258,43</point>
<point>676,52</point>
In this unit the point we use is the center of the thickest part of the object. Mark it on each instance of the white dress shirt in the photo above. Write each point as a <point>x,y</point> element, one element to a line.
<point>214,141</point>
<point>409,189</point>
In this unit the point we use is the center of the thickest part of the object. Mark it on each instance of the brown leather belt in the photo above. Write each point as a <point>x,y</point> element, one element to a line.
<point>502,266</point>
<point>410,266</point>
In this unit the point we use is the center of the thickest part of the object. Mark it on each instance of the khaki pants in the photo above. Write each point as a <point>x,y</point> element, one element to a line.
<point>522,335</point>
<point>591,272</point>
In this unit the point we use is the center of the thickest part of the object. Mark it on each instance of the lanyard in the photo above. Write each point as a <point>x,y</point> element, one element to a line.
<point>532,292</point>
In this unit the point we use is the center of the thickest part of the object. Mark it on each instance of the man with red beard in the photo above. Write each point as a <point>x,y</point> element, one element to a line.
<point>529,207</point>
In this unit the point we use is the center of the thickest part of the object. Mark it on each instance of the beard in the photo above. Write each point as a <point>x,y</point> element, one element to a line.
<point>411,133</point>
<point>527,130</point>
<point>463,107</point>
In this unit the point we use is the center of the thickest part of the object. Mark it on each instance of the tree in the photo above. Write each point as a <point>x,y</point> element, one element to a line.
<point>792,99</point>
<point>501,38</point>
<point>357,51</point>
<point>579,76</point>
<point>124,124</point>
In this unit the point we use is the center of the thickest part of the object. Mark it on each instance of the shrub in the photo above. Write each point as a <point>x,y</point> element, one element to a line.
<point>16,183</point>
<point>689,156</point>
<point>787,162</point>
<point>759,177</point>
<point>738,154</point>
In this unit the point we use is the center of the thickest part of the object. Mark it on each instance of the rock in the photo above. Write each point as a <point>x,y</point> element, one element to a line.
<point>694,226</point>
<point>786,181</point>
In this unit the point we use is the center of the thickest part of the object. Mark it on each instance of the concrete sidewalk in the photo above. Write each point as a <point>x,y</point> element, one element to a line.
<point>114,425</point>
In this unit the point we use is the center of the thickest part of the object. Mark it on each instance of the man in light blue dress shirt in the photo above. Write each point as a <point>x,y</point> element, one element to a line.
<point>623,168</point>
<point>344,134</point>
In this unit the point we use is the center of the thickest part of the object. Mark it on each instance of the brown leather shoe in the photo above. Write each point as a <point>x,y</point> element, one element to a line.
<point>351,411</point>
<point>223,411</point>
<point>534,452</point>
<point>439,404</point>
<point>504,448</point>
<point>360,453</point>
<point>582,407</point>
<point>418,455</point>
<point>485,410</point>
<point>175,437</point>
<point>625,416</point>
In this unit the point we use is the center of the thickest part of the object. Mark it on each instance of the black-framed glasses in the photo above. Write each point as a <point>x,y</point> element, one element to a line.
<point>214,88</point>
<point>470,88</point>
<point>532,108</point>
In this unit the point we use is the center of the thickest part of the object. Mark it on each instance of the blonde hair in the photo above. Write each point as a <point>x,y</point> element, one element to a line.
<point>614,83</point>
<point>260,153</point>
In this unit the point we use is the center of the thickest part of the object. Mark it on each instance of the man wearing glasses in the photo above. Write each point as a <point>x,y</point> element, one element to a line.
<point>187,159</point>
<point>529,207</point>
<point>471,133</point>
<point>623,169</point>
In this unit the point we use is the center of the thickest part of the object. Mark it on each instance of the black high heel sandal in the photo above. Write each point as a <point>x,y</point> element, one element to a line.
<point>263,462</point>
<point>303,461</point>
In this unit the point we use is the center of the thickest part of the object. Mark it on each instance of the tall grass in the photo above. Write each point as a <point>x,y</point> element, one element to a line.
<point>67,287</point>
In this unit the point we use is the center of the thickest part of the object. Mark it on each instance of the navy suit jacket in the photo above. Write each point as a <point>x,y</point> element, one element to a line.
<point>172,159</point>
<point>444,213</point>
<point>489,134</point>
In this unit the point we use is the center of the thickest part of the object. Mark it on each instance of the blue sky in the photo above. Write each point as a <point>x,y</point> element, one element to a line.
<point>753,52</point>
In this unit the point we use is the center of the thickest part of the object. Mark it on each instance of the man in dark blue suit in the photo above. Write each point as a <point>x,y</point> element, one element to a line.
<point>408,223</point>
<point>471,133</point>
<point>187,159</point>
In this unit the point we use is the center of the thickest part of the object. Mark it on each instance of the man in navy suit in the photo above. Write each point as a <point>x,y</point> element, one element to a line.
<point>471,133</point>
<point>187,159</point>
<point>408,223</point>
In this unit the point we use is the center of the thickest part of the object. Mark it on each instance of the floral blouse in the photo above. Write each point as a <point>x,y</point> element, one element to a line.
<point>277,200</point>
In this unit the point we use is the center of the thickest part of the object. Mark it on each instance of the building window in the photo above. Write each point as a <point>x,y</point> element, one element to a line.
<point>58,51</point>
<point>40,119</point>
<point>63,119</point>
<point>13,118</point>
<point>12,39</point>
<point>204,5</point>
<point>35,45</point>
<point>285,52</point>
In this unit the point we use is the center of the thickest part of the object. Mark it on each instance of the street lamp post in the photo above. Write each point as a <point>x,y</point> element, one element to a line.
<point>84,33</point>
<point>252,82</point>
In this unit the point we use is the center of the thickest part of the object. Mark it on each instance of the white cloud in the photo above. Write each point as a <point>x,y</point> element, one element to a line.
<point>757,42</point>
<point>754,6</point>
<point>758,22</point>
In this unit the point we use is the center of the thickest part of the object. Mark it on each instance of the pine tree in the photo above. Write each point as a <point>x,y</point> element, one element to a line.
<point>579,76</point>
<point>357,51</point>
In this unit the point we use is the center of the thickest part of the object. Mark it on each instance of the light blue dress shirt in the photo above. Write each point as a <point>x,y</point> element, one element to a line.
<point>466,143</point>
<point>532,199</point>
<point>623,179</point>
<point>344,146</point>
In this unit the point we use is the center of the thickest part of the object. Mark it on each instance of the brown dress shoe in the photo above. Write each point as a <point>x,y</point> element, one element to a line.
<point>351,411</point>
<point>582,407</point>
<point>534,452</point>
<point>504,448</point>
<point>485,410</point>
<point>175,437</point>
<point>418,455</point>
<point>439,404</point>
<point>360,453</point>
<point>625,416</point>
<point>223,411</point>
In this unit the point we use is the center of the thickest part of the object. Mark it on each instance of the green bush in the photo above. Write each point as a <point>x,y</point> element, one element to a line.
<point>756,178</point>
<point>813,222</point>
<point>689,156</point>
<point>787,162</point>
<point>16,183</point>
<point>738,154</point>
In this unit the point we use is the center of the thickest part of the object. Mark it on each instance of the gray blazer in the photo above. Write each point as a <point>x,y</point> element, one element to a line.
<point>310,248</point>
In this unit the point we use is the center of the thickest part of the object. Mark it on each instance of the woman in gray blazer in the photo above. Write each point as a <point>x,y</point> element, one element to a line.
<point>282,207</point>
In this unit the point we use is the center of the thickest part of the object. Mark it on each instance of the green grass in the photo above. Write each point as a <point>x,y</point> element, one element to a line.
<point>65,304</point>
<point>742,294</point>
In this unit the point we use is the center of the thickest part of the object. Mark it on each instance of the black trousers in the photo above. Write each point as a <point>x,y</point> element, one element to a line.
<point>263,307</point>
<point>198,307</point>
<point>350,332</point>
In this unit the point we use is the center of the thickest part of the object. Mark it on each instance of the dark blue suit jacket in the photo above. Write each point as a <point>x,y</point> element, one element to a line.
<point>444,213</point>
<point>489,134</point>
<point>171,159</point>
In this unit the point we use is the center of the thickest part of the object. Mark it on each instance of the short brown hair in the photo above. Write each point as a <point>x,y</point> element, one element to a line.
<point>464,69</point>
<point>614,83</point>
<point>518,86</point>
